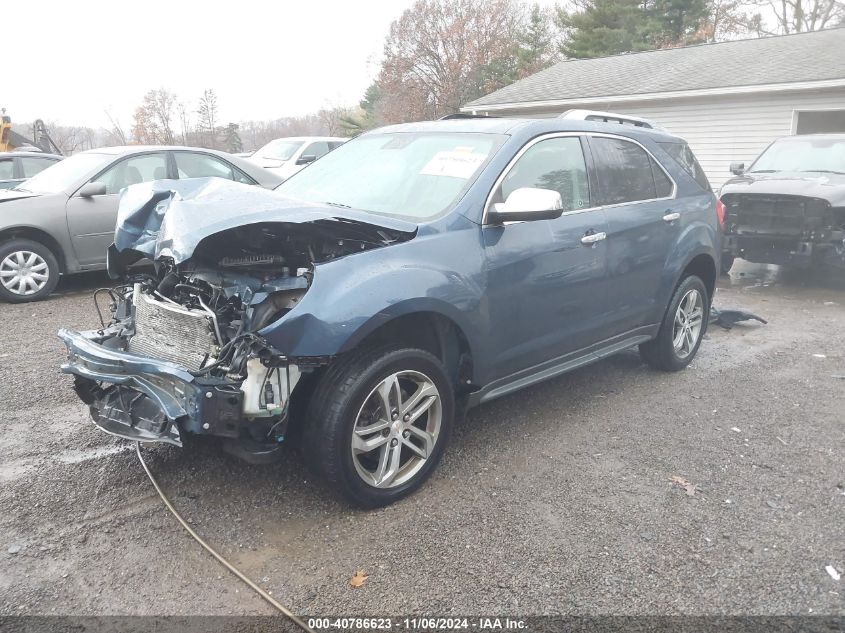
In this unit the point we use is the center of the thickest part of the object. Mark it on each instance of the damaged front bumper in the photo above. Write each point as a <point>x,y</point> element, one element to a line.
<point>145,399</point>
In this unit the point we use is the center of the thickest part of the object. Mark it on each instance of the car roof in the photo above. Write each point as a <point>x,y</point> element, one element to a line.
<point>30,154</point>
<point>309,138</point>
<point>125,150</point>
<point>528,127</point>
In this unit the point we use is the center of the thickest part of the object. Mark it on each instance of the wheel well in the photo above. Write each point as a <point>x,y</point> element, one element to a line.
<point>36,235</point>
<point>704,267</point>
<point>433,333</point>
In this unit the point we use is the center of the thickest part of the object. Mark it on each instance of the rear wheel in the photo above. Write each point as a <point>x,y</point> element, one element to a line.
<point>682,329</point>
<point>378,424</point>
<point>28,271</point>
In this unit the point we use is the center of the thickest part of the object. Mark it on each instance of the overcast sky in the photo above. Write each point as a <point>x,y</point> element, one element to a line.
<point>70,62</point>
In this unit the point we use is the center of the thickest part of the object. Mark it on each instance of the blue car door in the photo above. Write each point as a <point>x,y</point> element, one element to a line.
<point>546,279</point>
<point>643,224</point>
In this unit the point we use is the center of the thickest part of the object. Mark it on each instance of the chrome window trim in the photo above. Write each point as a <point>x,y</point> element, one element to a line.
<point>551,135</point>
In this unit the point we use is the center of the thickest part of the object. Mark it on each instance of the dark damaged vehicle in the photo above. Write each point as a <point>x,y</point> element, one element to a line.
<point>789,206</point>
<point>413,272</point>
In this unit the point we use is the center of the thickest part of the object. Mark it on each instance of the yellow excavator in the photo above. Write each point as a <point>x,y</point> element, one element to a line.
<point>11,140</point>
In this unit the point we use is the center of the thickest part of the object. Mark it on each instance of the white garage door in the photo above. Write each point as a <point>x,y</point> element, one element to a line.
<point>820,121</point>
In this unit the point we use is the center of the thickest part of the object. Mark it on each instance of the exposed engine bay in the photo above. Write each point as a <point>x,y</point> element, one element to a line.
<point>204,315</point>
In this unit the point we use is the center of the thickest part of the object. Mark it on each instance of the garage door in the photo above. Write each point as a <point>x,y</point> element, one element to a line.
<point>820,122</point>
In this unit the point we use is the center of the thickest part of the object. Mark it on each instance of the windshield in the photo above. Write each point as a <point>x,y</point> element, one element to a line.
<point>65,174</point>
<point>415,176</point>
<point>803,154</point>
<point>280,149</point>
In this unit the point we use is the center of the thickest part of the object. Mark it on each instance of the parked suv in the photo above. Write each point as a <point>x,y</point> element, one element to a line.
<point>414,271</point>
<point>788,207</point>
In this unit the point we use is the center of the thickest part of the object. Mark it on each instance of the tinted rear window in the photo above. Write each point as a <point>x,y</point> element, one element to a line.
<point>685,158</point>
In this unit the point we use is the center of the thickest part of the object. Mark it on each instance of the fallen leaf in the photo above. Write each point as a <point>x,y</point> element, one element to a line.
<point>359,578</point>
<point>683,483</point>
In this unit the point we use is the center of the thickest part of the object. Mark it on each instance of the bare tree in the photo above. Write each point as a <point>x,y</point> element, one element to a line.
<point>207,113</point>
<point>797,16</point>
<point>115,134</point>
<point>442,53</point>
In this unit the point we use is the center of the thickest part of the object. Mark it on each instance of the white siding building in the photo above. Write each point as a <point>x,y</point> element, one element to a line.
<point>728,100</point>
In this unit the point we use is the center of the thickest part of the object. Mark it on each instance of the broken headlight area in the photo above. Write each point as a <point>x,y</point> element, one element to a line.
<point>182,353</point>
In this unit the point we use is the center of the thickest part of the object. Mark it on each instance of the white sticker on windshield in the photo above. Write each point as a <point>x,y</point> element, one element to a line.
<point>458,163</point>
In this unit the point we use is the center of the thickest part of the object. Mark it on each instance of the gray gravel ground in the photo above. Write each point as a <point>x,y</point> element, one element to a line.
<point>556,500</point>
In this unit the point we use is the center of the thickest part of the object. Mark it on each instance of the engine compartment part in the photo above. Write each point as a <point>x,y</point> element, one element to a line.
<point>267,389</point>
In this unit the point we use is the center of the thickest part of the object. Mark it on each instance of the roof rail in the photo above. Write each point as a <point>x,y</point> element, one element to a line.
<point>609,117</point>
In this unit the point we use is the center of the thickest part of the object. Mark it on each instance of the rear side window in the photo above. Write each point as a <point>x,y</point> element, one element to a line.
<point>556,164</point>
<point>32,165</point>
<point>683,155</point>
<point>7,169</point>
<point>624,171</point>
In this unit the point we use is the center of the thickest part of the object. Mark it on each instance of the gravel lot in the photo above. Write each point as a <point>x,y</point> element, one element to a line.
<point>555,500</point>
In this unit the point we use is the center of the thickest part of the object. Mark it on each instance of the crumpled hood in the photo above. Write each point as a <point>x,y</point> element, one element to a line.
<point>169,218</point>
<point>830,187</point>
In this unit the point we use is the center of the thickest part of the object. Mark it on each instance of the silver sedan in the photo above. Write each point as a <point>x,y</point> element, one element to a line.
<point>62,220</point>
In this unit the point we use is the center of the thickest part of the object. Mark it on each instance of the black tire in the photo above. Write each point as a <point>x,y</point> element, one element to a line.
<point>660,352</point>
<point>334,405</point>
<point>727,262</point>
<point>52,270</point>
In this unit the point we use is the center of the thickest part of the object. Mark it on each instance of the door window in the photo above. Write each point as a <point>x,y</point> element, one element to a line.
<point>190,165</point>
<point>133,170</point>
<point>662,183</point>
<point>556,164</point>
<point>624,171</point>
<point>32,165</point>
<point>7,169</point>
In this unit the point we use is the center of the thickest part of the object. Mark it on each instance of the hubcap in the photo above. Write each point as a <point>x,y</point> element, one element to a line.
<point>396,429</point>
<point>24,272</point>
<point>688,321</point>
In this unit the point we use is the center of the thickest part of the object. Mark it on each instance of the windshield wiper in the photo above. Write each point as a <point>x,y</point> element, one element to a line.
<point>822,171</point>
<point>762,171</point>
<point>337,204</point>
<point>21,189</point>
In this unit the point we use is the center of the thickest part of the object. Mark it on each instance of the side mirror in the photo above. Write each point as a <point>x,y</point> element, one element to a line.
<point>526,204</point>
<point>92,189</point>
<point>738,168</point>
<point>305,159</point>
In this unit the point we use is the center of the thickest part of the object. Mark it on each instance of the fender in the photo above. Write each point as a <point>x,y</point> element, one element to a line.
<point>698,238</point>
<point>351,297</point>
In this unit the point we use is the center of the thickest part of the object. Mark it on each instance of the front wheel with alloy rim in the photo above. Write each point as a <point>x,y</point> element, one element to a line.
<point>682,328</point>
<point>28,271</point>
<point>378,424</point>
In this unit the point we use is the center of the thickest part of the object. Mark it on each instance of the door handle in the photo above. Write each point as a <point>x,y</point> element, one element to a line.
<point>671,217</point>
<point>592,238</point>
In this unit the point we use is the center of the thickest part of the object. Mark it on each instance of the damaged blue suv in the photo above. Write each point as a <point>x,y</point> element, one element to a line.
<point>413,272</point>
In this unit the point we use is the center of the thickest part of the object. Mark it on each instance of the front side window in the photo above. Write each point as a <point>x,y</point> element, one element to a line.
<point>409,175</point>
<point>624,171</point>
<point>32,165</point>
<point>556,164</point>
<point>131,171</point>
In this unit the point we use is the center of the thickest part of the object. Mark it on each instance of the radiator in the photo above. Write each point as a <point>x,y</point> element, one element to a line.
<point>166,331</point>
